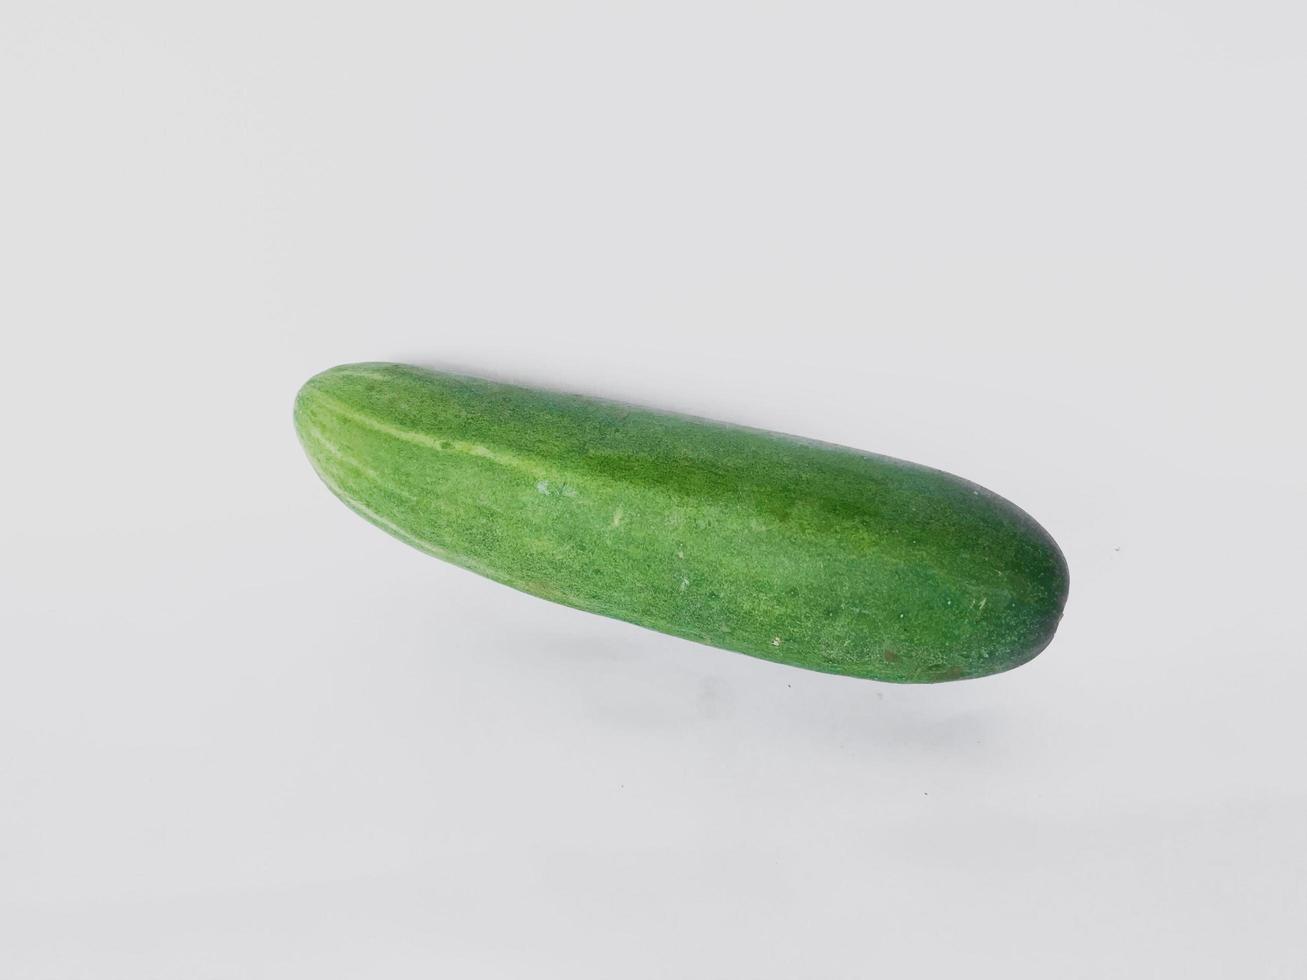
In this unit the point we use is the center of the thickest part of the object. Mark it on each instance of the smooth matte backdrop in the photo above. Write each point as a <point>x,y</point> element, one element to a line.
<point>1056,248</point>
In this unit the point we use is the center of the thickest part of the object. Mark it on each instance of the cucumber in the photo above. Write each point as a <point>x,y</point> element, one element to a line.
<point>793,551</point>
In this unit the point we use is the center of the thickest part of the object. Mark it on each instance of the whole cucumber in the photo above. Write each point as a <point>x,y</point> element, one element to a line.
<point>792,551</point>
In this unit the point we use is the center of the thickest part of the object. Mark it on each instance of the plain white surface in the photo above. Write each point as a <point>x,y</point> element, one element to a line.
<point>1055,248</point>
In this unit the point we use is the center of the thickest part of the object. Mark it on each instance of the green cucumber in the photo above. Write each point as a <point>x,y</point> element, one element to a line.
<point>793,551</point>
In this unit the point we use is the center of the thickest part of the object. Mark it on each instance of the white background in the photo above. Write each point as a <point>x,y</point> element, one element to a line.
<point>1055,248</point>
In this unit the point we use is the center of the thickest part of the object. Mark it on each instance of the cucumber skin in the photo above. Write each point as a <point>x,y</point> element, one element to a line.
<point>797,552</point>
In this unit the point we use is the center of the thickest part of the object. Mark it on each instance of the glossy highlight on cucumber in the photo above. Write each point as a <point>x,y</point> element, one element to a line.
<point>793,551</point>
